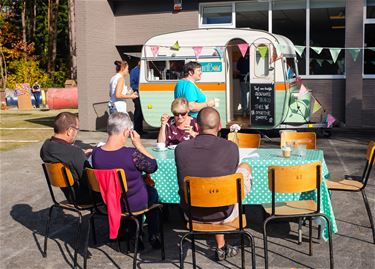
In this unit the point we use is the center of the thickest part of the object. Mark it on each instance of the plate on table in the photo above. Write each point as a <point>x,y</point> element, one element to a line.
<point>172,146</point>
<point>159,149</point>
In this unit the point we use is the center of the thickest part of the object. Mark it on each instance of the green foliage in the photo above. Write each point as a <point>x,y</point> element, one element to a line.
<point>26,71</point>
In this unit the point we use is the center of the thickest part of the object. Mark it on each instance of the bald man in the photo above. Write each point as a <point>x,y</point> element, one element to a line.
<point>209,156</point>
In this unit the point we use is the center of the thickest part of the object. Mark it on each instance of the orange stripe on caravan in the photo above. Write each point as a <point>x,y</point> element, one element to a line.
<point>170,86</point>
<point>281,86</point>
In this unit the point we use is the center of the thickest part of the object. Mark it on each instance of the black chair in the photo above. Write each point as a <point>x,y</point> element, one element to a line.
<point>59,175</point>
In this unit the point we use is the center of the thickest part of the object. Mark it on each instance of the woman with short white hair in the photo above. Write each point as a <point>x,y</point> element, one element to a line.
<point>114,154</point>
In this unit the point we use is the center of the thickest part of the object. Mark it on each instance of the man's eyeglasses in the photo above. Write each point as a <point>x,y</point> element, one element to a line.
<point>180,114</point>
<point>75,128</point>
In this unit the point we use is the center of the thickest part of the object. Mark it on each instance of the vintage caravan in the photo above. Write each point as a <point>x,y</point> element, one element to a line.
<point>273,97</point>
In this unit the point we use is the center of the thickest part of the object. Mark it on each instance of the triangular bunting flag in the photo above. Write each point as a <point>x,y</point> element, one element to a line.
<point>197,51</point>
<point>299,50</point>
<point>354,53</point>
<point>330,120</point>
<point>335,53</point>
<point>262,51</point>
<point>154,50</point>
<point>276,57</point>
<point>318,50</point>
<point>319,61</point>
<point>243,48</point>
<point>175,46</point>
<point>373,49</point>
<point>316,106</point>
<point>302,91</point>
<point>329,61</point>
<point>220,51</point>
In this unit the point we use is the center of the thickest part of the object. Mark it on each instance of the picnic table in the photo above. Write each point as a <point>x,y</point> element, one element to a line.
<point>259,159</point>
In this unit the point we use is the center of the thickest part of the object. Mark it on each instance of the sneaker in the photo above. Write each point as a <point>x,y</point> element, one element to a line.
<point>226,251</point>
<point>155,242</point>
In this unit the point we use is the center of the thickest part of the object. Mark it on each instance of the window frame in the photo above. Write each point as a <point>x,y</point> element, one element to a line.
<point>365,22</point>
<point>201,25</point>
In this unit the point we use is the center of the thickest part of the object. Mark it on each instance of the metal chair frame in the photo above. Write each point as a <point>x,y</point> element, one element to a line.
<point>317,213</point>
<point>76,208</point>
<point>129,215</point>
<point>240,231</point>
<point>365,176</point>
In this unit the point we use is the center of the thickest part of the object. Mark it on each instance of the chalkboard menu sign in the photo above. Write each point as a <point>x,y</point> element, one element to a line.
<point>262,106</point>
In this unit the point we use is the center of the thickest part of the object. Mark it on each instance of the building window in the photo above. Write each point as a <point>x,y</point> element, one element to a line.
<point>216,15</point>
<point>327,30</point>
<point>370,9</point>
<point>252,15</point>
<point>369,55</point>
<point>287,15</point>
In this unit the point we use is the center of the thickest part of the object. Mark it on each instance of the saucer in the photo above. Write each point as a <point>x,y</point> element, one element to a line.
<point>160,150</point>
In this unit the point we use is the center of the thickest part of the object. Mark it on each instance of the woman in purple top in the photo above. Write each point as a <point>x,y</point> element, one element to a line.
<point>180,127</point>
<point>113,154</point>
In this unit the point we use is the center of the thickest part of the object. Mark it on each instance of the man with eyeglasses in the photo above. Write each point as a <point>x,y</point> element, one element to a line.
<point>60,148</point>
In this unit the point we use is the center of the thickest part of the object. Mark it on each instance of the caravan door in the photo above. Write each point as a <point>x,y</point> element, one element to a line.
<point>262,85</point>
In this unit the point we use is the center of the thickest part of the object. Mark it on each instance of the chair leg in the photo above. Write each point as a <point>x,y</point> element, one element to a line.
<point>93,230</point>
<point>252,242</point>
<point>47,231</point>
<point>265,243</point>
<point>161,227</point>
<point>137,231</point>
<point>369,214</point>
<point>242,252</point>
<point>87,243</point>
<point>182,251</point>
<point>193,251</point>
<point>299,231</point>
<point>77,238</point>
<point>331,262</point>
<point>310,237</point>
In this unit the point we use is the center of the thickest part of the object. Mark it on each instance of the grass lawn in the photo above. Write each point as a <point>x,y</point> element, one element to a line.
<point>30,126</point>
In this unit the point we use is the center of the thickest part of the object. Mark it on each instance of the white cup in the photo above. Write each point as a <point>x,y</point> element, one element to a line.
<point>217,102</point>
<point>160,146</point>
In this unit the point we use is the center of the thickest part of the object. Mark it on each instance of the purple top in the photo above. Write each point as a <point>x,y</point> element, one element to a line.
<point>134,163</point>
<point>174,135</point>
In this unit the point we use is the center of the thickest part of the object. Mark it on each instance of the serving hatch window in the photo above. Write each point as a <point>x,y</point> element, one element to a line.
<point>165,70</point>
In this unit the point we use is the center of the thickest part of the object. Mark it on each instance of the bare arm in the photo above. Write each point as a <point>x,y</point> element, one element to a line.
<point>136,140</point>
<point>119,94</point>
<point>164,122</point>
<point>195,106</point>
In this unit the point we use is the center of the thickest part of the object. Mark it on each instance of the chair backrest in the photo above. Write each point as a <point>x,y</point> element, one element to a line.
<point>291,179</point>
<point>246,140</point>
<point>304,138</point>
<point>58,174</point>
<point>214,191</point>
<point>93,181</point>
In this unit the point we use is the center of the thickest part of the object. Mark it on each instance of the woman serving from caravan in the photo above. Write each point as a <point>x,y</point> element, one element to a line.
<point>118,91</point>
<point>187,88</point>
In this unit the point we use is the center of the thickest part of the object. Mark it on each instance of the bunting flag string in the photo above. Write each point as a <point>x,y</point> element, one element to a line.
<point>197,51</point>
<point>316,105</point>
<point>262,51</point>
<point>354,53</point>
<point>154,50</point>
<point>243,48</point>
<point>318,50</point>
<point>175,46</point>
<point>334,53</point>
<point>330,120</point>
<point>220,51</point>
<point>299,50</point>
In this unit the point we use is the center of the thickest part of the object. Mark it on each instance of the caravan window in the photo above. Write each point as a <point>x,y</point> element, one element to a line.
<point>261,61</point>
<point>291,71</point>
<point>164,70</point>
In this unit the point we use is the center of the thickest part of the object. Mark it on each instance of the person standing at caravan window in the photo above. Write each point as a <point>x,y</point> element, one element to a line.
<point>187,88</point>
<point>118,91</point>
<point>243,69</point>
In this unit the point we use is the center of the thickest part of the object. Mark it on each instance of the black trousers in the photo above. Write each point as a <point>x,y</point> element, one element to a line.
<point>138,116</point>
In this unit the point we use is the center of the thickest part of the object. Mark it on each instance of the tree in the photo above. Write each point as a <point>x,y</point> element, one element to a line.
<point>53,8</point>
<point>72,40</point>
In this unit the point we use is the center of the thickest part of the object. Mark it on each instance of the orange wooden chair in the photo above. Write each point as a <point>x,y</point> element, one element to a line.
<point>94,188</point>
<point>297,138</point>
<point>246,140</point>
<point>351,185</point>
<point>215,192</point>
<point>59,175</point>
<point>295,179</point>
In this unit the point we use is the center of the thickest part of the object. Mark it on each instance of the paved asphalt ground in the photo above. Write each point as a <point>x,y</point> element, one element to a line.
<point>25,200</point>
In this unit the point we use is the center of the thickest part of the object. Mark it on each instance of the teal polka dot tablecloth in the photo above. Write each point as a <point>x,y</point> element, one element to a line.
<point>166,179</point>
